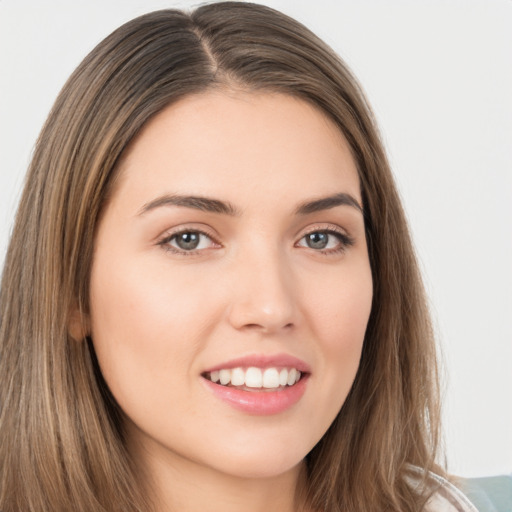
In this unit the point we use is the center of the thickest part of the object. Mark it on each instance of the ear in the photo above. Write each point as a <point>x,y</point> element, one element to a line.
<point>78,324</point>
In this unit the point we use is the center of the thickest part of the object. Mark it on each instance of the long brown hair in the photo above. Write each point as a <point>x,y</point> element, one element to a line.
<point>61,436</point>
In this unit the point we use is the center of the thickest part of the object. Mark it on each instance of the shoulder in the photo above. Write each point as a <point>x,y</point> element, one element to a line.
<point>448,498</point>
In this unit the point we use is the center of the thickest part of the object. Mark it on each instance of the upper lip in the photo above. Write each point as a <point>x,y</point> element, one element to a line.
<point>263,361</point>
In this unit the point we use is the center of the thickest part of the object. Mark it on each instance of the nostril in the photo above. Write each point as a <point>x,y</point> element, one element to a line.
<point>265,327</point>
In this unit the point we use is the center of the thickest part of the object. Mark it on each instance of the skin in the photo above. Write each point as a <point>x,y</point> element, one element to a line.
<point>161,316</point>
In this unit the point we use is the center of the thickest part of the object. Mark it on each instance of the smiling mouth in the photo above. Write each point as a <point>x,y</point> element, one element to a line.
<point>255,379</point>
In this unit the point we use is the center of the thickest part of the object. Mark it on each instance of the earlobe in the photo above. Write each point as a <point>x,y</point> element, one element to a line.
<point>78,325</point>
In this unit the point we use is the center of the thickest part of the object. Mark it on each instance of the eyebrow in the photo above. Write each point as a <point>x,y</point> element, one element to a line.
<point>211,205</point>
<point>204,204</point>
<point>325,203</point>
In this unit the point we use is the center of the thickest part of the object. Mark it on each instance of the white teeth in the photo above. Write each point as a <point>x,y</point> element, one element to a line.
<point>253,378</point>
<point>237,377</point>
<point>225,376</point>
<point>269,378</point>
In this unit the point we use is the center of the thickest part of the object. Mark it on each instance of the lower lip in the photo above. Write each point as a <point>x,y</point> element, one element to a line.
<point>260,402</point>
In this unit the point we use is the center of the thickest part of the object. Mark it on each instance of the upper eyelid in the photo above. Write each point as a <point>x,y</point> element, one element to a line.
<point>171,232</point>
<point>331,228</point>
<point>323,226</point>
<point>210,233</point>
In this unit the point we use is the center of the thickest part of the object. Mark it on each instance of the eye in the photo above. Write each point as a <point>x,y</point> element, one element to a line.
<point>188,241</point>
<point>326,240</point>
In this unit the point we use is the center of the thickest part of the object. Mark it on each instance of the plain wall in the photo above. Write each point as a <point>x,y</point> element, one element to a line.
<point>439,76</point>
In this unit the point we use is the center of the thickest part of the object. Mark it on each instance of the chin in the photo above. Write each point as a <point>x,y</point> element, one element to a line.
<point>257,468</point>
<point>264,460</point>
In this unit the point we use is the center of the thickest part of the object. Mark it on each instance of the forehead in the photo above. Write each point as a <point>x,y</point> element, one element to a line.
<point>232,142</point>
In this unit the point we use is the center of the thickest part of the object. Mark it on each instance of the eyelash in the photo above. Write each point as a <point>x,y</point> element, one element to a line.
<point>165,242</point>
<point>345,241</point>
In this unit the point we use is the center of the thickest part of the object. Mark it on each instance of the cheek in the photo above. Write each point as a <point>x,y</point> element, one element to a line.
<point>339,313</point>
<point>340,308</point>
<point>144,331</point>
<point>142,304</point>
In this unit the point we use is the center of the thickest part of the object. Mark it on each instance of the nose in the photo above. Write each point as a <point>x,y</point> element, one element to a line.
<point>263,297</point>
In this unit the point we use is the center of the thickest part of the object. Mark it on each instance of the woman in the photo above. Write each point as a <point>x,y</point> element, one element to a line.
<point>210,299</point>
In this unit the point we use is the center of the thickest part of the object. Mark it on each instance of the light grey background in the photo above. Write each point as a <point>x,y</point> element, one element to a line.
<point>439,76</point>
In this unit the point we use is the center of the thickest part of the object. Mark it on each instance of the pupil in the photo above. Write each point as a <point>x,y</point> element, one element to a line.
<point>317,240</point>
<point>188,241</point>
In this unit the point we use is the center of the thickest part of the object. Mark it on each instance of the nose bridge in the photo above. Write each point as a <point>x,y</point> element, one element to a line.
<point>263,296</point>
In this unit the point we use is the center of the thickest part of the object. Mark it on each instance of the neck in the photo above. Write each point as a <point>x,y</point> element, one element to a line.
<point>182,485</point>
<point>216,492</point>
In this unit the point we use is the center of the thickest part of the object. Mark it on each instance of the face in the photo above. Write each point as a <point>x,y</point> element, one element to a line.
<point>231,285</point>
